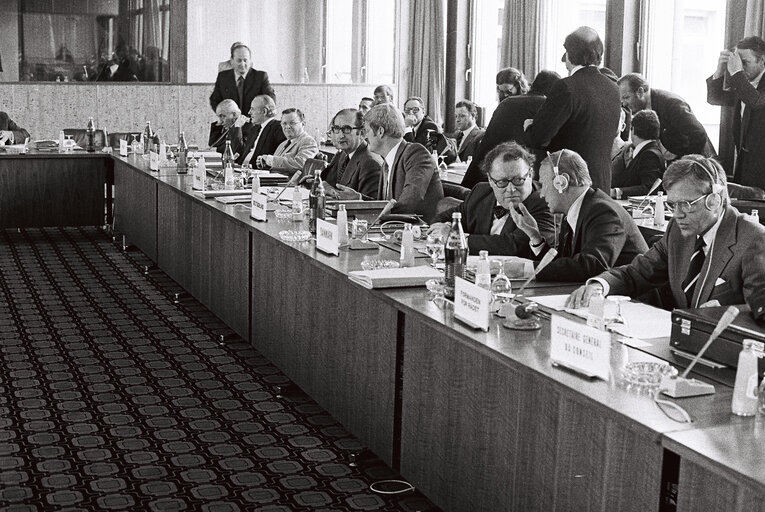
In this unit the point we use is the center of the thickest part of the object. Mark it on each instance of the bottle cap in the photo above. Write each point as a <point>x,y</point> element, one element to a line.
<point>483,254</point>
<point>456,216</point>
<point>747,343</point>
<point>342,208</point>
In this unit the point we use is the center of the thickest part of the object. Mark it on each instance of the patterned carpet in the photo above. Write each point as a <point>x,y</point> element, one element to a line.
<point>114,398</point>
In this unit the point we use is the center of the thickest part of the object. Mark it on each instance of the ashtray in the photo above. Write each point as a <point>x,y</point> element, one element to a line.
<point>291,235</point>
<point>283,214</point>
<point>378,263</point>
<point>435,286</point>
<point>647,374</point>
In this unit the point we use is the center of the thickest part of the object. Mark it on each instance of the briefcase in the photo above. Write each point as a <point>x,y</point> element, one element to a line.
<point>691,329</point>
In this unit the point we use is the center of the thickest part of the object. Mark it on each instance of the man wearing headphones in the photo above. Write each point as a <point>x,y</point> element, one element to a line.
<point>596,233</point>
<point>711,255</point>
<point>266,133</point>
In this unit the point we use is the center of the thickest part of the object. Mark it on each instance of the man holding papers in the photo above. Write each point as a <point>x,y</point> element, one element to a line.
<point>710,255</point>
<point>485,212</point>
<point>10,132</point>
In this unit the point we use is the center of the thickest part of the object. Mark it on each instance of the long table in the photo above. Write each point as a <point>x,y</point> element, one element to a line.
<point>477,421</point>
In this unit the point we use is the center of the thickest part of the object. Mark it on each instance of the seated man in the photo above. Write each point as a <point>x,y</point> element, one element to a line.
<point>265,134</point>
<point>468,136</point>
<point>710,255</point>
<point>354,172</point>
<point>596,232</point>
<point>485,214</point>
<point>424,130</point>
<point>365,104</point>
<point>383,94</point>
<point>409,174</point>
<point>633,175</point>
<point>228,127</point>
<point>10,132</point>
<point>293,152</point>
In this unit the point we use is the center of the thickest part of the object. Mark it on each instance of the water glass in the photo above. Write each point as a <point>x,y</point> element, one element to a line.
<point>360,230</point>
<point>434,244</point>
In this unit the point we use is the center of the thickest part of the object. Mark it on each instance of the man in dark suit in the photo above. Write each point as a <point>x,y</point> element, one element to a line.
<point>485,212</point>
<point>229,127</point>
<point>681,133</point>
<point>710,254</point>
<point>265,133</point>
<point>10,132</point>
<point>409,174</point>
<point>747,93</point>
<point>581,112</point>
<point>468,136</point>
<point>242,83</point>
<point>507,124</point>
<point>354,172</point>
<point>641,162</point>
<point>424,130</point>
<point>596,232</point>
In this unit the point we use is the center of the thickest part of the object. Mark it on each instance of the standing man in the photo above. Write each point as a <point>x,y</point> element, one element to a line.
<point>266,133</point>
<point>681,133</point>
<point>746,91</point>
<point>468,135</point>
<point>291,154</point>
<point>10,132</point>
<point>409,174</point>
<point>242,83</point>
<point>354,172</point>
<point>582,111</point>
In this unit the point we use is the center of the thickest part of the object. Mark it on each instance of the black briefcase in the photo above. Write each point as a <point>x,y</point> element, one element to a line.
<point>691,329</point>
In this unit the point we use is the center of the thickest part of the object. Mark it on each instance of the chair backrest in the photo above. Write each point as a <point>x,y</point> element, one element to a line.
<point>114,138</point>
<point>80,137</point>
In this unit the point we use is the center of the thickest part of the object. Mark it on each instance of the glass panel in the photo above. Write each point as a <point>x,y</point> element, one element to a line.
<point>562,18</point>
<point>380,45</point>
<point>487,43</point>
<point>85,40</point>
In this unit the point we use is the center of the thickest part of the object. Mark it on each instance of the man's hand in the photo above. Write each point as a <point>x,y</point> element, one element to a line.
<point>526,223</point>
<point>5,136</point>
<point>347,193</point>
<point>527,123</point>
<point>263,161</point>
<point>439,228</point>
<point>241,121</point>
<point>580,298</point>
<point>734,63</point>
<point>714,303</point>
<point>722,63</point>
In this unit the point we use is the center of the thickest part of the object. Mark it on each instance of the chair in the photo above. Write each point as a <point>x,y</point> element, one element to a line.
<point>114,138</point>
<point>80,137</point>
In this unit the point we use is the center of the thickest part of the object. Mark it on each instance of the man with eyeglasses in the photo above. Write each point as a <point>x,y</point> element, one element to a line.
<point>266,132</point>
<point>423,130</point>
<point>354,172</point>
<point>710,254</point>
<point>485,211</point>
<point>291,154</point>
<point>596,233</point>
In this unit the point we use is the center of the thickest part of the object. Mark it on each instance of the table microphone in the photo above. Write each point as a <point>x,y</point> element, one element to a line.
<point>650,190</point>
<point>385,211</point>
<point>290,183</point>
<point>546,259</point>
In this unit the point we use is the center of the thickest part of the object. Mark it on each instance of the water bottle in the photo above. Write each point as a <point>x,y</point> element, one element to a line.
<point>183,150</point>
<point>483,272</point>
<point>200,174</point>
<point>193,166</point>
<point>455,254</point>
<point>297,204</point>
<point>407,247</point>
<point>342,225</point>
<point>255,183</point>
<point>91,136</point>
<point>658,212</point>
<point>316,202</point>
<point>62,143</point>
<point>228,166</point>
<point>148,136</point>
<point>745,390</point>
<point>755,215</point>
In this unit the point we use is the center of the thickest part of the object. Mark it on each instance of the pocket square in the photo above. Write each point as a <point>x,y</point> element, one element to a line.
<point>720,281</point>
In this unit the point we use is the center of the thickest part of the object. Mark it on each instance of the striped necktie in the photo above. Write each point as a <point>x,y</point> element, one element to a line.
<point>341,168</point>
<point>694,269</point>
<point>240,90</point>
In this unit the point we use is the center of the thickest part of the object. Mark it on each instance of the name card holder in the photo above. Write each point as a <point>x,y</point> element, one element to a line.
<point>258,206</point>
<point>579,347</point>
<point>153,161</point>
<point>327,237</point>
<point>471,304</point>
<point>123,147</point>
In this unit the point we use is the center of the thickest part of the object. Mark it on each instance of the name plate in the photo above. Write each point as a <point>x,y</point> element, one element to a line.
<point>153,161</point>
<point>123,147</point>
<point>327,237</point>
<point>580,347</point>
<point>471,304</point>
<point>259,204</point>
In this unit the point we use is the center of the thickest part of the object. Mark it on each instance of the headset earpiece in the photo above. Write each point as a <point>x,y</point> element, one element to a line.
<point>714,200</point>
<point>560,181</point>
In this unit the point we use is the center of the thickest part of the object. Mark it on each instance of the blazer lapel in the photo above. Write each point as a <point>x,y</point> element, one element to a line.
<point>396,161</point>
<point>718,257</point>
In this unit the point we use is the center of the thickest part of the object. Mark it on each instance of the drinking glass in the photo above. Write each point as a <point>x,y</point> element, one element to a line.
<point>501,287</point>
<point>434,244</point>
<point>69,144</point>
<point>361,230</point>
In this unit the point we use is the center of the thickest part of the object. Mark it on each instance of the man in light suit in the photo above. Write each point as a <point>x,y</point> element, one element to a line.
<point>468,136</point>
<point>747,93</point>
<point>485,212</point>
<point>265,133</point>
<point>596,232</point>
<point>354,172</point>
<point>711,255</point>
<point>409,174</point>
<point>242,83</point>
<point>582,111</point>
<point>291,154</point>
<point>640,163</point>
<point>10,132</point>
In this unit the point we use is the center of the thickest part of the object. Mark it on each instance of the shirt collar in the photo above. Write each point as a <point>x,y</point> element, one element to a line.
<point>391,156</point>
<point>572,216</point>
<point>640,146</point>
<point>577,68</point>
<point>711,233</point>
<point>756,81</point>
<point>466,132</point>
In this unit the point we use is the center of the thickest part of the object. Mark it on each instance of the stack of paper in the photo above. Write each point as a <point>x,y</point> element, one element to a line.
<point>394,277</point>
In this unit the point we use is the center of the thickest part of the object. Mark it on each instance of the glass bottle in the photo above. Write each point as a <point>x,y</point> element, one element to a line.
<point>407,247</point>
<point>228,166</point>
<point>501,287</point>
<point>316,201</point>
<point>658,212</point>
<point>297,204</point>
<point>147,138</point>
<point>342,225</point>
<point>183,150</point>
<point>483,272</point>
<point>455,254</point>
<point>744,401</point>
<point>255,183</point>
<point>91,136</point>
<point>62,143</point>
<point>755,215</point>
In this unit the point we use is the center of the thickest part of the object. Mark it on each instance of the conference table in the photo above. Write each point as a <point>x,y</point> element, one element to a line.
<point>475,420</point>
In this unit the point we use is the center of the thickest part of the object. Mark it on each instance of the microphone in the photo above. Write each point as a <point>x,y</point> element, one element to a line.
<point>730,314</point>
<point>291,183</point>
<point>546,259</point>
<point>524,311</point>
<point>385,211</point>
<point>650,190</point>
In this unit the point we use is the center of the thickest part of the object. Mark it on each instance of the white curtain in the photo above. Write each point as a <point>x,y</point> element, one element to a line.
<point>426,54</point>
<point>754,21</point>
<point>521,36</point>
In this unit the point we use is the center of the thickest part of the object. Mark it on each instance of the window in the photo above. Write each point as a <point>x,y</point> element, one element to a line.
<point>559,19</point>
<point>488,19</point>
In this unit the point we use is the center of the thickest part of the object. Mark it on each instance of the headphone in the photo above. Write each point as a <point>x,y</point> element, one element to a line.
<point>714,200</point>
<point>560,181</point>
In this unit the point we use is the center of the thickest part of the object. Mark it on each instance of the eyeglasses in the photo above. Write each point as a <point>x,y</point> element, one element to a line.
<point>412,110</point>
<point>517,181</point>
<point>345,129</point>
<point>290,124</point>
<point>684,206</point>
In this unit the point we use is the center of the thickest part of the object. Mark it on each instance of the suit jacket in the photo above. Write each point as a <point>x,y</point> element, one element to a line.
<point>421,137</point>
<point>362,173</point>
<point>416,185</point>
<point>605,236</point>
<point>581,114</point>
<point>269,140</point>
<point>7,124</point>
<point>681,133</point>
<point>749,132</point>
<point>255,83</point>
<point>506,124</point>
<point>219,136</point>
<point>733,271</point>
<point>291,155</point>
<point>469,144</point>
<point>478,215</point>
<point>637,177</point>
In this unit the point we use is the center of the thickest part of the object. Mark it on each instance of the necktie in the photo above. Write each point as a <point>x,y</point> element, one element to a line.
<point>240,90</point>
<point>499,211</point>
<point>460,136</point>
<point>341,168</point>
<point>566,236</point>
<point>694,269</point>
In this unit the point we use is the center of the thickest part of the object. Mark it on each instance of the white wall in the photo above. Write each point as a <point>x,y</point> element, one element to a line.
<point>9,41</point>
